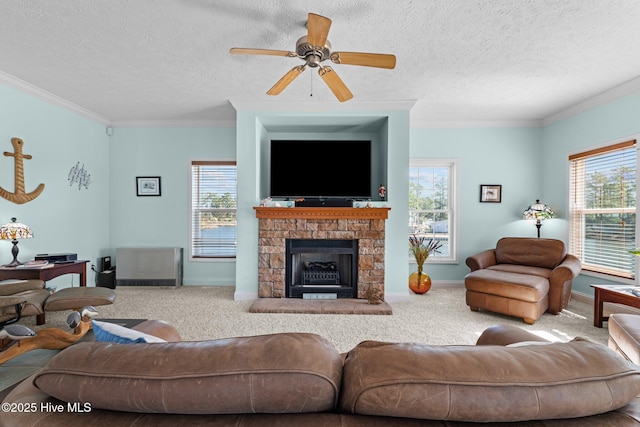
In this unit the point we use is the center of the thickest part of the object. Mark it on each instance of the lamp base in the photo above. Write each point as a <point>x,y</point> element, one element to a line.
<point>13,263</point>
<point>14,252</point>
<point>538,225</point>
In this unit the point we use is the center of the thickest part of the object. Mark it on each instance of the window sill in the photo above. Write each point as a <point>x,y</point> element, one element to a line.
<point>609,277</point>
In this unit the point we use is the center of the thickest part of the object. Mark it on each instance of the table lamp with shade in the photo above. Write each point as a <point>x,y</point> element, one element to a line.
<point>538,212</point>
<point>14,231</point>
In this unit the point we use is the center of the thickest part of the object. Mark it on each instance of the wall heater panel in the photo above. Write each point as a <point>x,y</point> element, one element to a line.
<point>149,266</point>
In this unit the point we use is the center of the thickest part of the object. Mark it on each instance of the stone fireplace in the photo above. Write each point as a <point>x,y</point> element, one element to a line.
<point>363,227</point>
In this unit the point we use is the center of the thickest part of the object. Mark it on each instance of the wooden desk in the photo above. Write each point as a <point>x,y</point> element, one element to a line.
<point>619,294</point>
<point>48,273</point>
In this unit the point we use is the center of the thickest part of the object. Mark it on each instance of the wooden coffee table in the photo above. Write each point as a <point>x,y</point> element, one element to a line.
<point>619,294</point>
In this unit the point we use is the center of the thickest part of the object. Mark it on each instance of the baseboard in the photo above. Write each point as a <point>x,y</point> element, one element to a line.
<point>608,307</point>
<point>244,296</point>
<point>579,296</point>
<point>447,284</point>
<point>392,297</point>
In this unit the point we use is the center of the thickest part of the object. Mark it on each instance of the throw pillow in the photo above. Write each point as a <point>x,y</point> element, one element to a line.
<point>110,332</point>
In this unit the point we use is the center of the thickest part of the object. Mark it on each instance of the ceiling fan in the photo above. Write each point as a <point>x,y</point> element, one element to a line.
<point>313,49</point>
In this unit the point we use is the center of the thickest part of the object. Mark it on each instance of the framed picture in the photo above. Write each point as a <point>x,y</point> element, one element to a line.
<point>148,185</point>
<point>491,193</point>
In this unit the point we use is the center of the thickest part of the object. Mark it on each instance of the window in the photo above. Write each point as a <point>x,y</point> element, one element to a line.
<point>602,209</point>
<point>432,204</point>
<point>213,209</point>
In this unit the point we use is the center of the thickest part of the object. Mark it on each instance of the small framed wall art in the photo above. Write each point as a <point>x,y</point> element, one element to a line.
<point>491,193</point>
<point>148,185</point>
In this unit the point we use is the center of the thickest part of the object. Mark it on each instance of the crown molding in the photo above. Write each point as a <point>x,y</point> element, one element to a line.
<point>320,106</point>
<point>457,124</point>
<point>174,124</point>
<point>35,91</point>
<point>617,92</point>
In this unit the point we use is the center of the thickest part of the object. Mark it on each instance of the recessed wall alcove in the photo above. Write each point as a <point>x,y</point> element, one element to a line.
<point>330,128</point>
<point>386,124</point>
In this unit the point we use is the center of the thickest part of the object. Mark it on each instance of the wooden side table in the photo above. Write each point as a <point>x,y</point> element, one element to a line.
<point>48,272</point>
<point>611,293</point>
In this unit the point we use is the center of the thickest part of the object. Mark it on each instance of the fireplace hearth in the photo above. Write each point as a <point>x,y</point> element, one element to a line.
<point>321,268</point>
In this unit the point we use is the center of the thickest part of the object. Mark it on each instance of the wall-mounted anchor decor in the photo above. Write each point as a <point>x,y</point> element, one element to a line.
<point>78,175</point>
<point>19,196</point>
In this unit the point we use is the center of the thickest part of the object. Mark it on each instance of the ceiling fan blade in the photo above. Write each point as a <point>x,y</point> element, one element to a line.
<point>250,51</point>
<point>335,83</point>
<point>378,60</point>
<point>286,80</point>
<point>318,29</point>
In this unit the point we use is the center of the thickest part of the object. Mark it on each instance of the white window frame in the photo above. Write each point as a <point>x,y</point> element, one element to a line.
<point>574,213</point>
<point>191,212</point>
<point>452,165</point>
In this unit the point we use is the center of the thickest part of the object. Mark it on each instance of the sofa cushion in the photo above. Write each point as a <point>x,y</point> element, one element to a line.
<point>279,373</point>
<point>624,335</point>
<point>515,286</point>
<point>486,383</point>
<point>522,269</point>
<point>545,253</point>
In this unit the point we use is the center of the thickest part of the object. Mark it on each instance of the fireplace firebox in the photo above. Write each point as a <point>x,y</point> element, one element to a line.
<point>321,268</point>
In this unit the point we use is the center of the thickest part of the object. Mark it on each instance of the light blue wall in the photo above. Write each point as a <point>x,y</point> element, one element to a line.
<point>253,131</point>
<point>615,120</point>
<point>63,218</point>
<point>510,157</point>
<point>529,163</point>
<point>164,221</point>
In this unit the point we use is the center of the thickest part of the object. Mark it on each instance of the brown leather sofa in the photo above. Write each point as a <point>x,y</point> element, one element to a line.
<point>300,379</point>
<point>21,298</point>
<point>521,277</point>
<point>624,335</point>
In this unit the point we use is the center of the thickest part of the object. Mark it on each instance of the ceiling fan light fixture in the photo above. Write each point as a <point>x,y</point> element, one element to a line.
<point>304,49</point>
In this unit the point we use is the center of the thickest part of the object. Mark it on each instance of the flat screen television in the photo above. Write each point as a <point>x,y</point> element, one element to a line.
<point>320,169</point>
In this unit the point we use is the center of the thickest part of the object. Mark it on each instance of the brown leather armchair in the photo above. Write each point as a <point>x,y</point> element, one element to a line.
<point>521,277</point>
<point>21,298</point>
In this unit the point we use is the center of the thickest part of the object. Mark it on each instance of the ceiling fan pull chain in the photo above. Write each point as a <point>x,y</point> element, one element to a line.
<point>311,85</point>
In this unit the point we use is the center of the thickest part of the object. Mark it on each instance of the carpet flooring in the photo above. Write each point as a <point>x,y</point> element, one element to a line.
<point>438,317</point>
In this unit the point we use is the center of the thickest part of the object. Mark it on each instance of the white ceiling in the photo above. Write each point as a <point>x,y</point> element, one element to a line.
<point>128,62</point>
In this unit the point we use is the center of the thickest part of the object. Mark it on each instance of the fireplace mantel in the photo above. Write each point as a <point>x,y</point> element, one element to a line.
<point>263,212</point>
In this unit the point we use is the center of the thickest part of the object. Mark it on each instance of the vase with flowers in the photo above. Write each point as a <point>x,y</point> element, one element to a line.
<point>421,248</point>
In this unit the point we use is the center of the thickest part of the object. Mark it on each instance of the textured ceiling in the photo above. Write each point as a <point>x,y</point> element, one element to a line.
<point>167,61</point>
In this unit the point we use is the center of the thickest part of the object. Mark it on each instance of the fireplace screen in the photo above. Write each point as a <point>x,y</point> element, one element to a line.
<point>320,273</point>
<point>321,266</point>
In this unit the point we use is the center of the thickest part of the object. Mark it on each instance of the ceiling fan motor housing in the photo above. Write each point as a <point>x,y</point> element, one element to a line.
<point>311,53</point>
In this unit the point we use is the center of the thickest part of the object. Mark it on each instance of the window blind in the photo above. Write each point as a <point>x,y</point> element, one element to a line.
<point>602,209</point>
<point>213,209</point>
